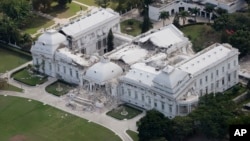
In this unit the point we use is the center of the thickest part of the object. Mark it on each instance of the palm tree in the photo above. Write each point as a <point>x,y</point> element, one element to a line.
<point>164,15</point>
<point>183,15</point>
<point>195,11</point>
<point>209,9</point>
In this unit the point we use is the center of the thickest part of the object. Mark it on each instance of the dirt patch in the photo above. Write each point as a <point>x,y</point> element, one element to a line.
<point>18,138</point>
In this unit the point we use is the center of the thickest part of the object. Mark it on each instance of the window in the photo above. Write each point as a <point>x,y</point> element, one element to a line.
<point>142,97</point>
<point>136,96</point>
<point>222,69</point>
<point>50,66</point>
<point>170,108</point>
<point>162,105</point>
<point>217,84</point>
<point>223,81</point>
<point>155,104</point>
<point>212,86</point>
<point>212,76</point>
<point>201,92</point>
<point>129,92</point>
<point>104,42</point>
<point>122,91</point>
<point>206,90</point>
<point>70,72</point>
<point>77,75</point>
<point>195,84</point>
<point>37,61</point>
<point>217,72</point>
<point>149,100</point>
<point>58,68</point>
<point>64,69</point>
<point>206,78</point>
<point>235,74</point>
<point>228,65</point>
<point>201,81</point>
<point>229,77</point>
<point>83,51</point>
<point>99,44</point>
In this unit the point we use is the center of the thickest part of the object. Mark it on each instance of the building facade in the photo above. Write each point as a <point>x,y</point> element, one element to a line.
<point>175,6</point>
<point>155,70</point>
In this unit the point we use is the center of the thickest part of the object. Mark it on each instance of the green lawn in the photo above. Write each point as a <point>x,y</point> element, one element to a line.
<point>131,27</point>
<point>27,78</point>
<point>70,10</point>
<point>201,35</point>
<point>32,121</point>
<point>37,23</point>
<point>9,87</point>
<point>88,2</point>
<point>54,88</point>
<point>116,113</point>
<point>133,135</point>
<point>11,59</point>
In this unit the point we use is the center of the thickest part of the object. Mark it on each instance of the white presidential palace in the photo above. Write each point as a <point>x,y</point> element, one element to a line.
<point>155,70</point>
<point>175,6</point>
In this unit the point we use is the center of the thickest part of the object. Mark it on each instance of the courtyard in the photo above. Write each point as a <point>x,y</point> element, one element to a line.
<point>59,88</point>
<point>124,112</point>
<point>131,27</point>
<point>28,77</point>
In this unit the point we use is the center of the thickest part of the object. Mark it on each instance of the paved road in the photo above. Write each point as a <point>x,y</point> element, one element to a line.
<point>38,93</point>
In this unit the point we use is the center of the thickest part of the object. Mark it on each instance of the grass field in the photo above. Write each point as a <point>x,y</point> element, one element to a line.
<point>37,23</point>
<point>134,25</point>
<point>133,135</point>
<point>131,112</point>
<point>9,87</point>
<point>11,59</point>
<point>33,121</point>
<point>70,10</point>
<point>52,88</point>
<point>27,78</point>
<point>201,36</point>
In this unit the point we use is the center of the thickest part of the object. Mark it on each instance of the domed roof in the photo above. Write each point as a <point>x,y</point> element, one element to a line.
<point>103,71</point>
<point>48,42</point>
<point>51,37</point>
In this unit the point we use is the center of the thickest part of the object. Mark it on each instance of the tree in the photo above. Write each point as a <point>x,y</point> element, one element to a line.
<point>209,9</point>
<point>176,21</point>
<point>110,42</point>
<point>9,31</point>
<point>19,11</point>
<point>183,15</point>
<point>164,15</point>
<point>221,23</point>
<point>148,2</point>
<point>195,11</point>
<point>247,1</point>
<point>146,24</point>
<point>212,115</point>
<point>42,5</point>
<point>182,127</point>
<point>241,40</point>
<point>153,125</point>
<point>248,84</point>
<point>63,3</point>
<point>102,3</point>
